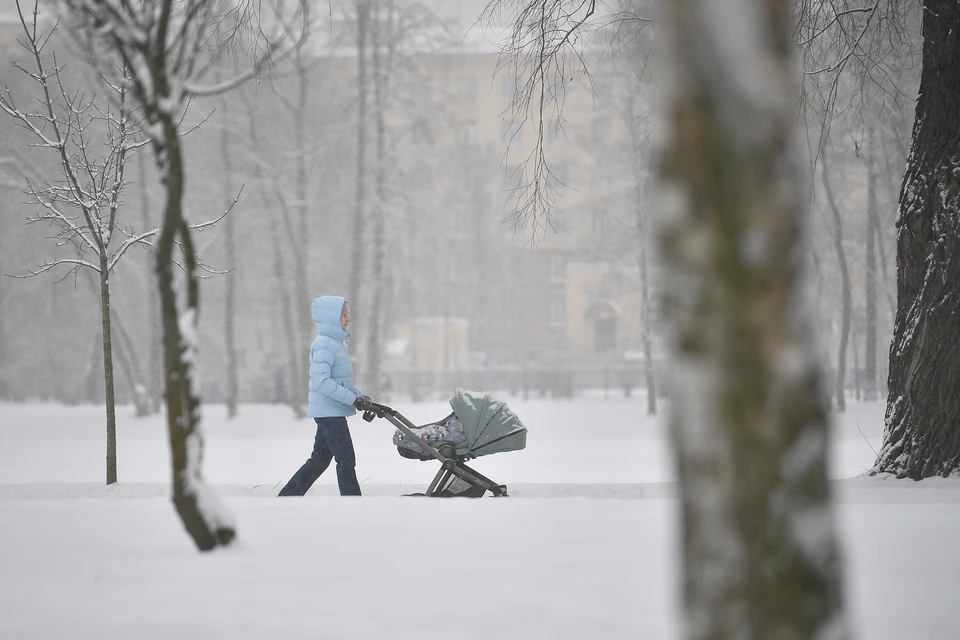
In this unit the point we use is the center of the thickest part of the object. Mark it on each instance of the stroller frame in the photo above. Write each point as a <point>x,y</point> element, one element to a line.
<point>453,464</point>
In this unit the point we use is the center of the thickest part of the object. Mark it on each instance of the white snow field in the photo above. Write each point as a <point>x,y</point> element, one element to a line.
<point>583,548</point>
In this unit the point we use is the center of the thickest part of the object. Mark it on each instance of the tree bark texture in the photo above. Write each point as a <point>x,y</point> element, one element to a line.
<point>922,430</point>
<point>108,371</point>
<point>230,303</point>
<point>870,276</point>
<point>204,518</point>
<point>748,419</point>
<point>846,295</point>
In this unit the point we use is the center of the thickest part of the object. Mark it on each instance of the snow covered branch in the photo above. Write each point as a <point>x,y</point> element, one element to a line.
<point>168,47</point>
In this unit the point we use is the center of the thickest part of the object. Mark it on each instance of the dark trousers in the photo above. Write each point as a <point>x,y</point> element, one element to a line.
<point>332,442</point>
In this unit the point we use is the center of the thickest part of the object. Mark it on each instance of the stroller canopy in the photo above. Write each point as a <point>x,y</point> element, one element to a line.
<point>488,423</point>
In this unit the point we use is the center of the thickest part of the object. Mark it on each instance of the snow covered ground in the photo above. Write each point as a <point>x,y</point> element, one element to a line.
<point>583,548</point>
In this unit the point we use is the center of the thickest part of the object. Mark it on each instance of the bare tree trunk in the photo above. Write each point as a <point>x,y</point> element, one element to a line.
<point>845,286</point>
<point>294,363</point>
<point>870,275</point>
<point>643,235</point>
<point>356,274</point>
<point>153,305</point>
<point>4,383</point>
<point>230,304</point>
<point>921,437</point>
<point>130,364</point>
<point>198,506</point>
<point>302,253</point>
<point>108,371</point>
<point>379,239</point>
<point>748,421</point>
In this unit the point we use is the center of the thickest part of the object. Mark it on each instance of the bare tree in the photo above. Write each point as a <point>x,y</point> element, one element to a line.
<point>272,194</point>
<point>359,214</point>
<point>295,218</point>
<point>4,359</point>
<point>847,297</point>
<point>155,343</point>
<point>167,47</point>
<point>83,204</point>
<point>230,305</point>
<point>640,157</point>
<point>870,273</point>
<point>383,45</point>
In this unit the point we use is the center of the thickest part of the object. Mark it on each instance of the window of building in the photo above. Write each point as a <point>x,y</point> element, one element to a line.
<point>558,311</point>
<point>467,132</point>
<point>605,330</point>
<point>558,266</point>
<point>508,86</point>
<point>600,129</point>
<point>467,87</point>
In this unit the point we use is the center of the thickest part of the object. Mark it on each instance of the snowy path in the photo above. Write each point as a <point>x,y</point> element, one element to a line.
<point>583,548</point>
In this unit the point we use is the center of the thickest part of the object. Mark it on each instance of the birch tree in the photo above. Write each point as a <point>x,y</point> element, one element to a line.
<point>166,46</point>
<point>749,426</point>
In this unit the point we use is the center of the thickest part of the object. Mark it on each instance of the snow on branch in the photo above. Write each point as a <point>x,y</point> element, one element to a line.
<point>76,263</point>
<point>74,125</point>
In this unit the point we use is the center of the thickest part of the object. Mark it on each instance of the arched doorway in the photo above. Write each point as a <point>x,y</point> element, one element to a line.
<point>604,317</point>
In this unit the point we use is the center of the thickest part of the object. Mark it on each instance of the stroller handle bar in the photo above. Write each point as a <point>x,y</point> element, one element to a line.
<point>373,410</point>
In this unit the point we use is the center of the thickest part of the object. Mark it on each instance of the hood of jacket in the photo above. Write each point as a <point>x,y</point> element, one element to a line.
<point>326,311</point>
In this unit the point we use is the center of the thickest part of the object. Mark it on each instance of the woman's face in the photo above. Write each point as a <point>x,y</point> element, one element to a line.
<point>345,317</point>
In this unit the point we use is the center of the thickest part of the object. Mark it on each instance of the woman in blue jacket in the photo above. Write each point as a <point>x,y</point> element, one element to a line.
<point>332,398</point>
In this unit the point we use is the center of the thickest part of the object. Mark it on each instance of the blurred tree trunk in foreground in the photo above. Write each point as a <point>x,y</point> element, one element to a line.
<point>750,429</point>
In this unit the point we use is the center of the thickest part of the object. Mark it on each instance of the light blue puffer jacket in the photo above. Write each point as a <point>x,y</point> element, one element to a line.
<point>331,371</point>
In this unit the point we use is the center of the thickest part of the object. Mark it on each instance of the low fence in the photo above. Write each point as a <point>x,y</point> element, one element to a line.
<point>538,381</point>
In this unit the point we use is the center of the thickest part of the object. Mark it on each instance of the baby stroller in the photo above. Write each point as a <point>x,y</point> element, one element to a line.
<point>479,425</point>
